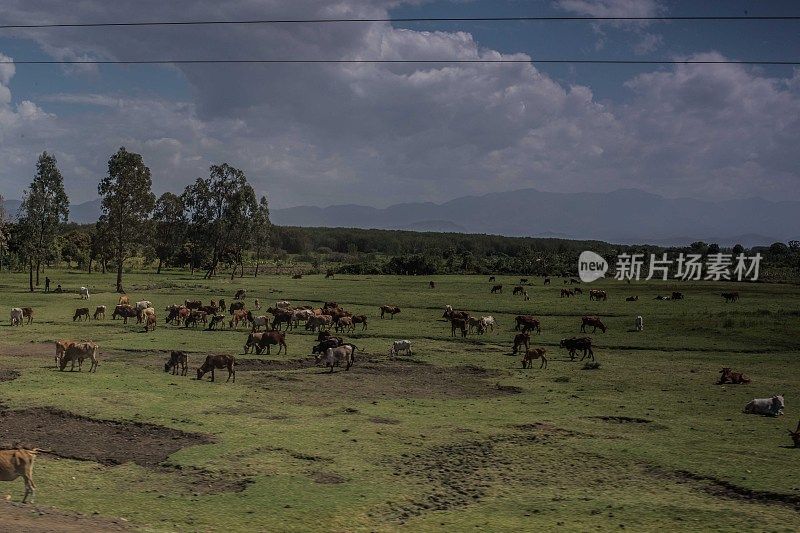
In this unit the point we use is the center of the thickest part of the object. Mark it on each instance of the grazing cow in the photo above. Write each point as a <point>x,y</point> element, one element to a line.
<point>317,322</point>
<point>391,309</point>
<point>766,406</point>
<point>521,339</point>
<point>450,314</point>
<point>78,351</point>
<point>285,304</point>
<point>566,293</point>
<point>324,344</point>
<point>81,313</point>
<point>178,314</point>
<point>194,318</point>
<point>734,378</point>
<point>61,347</point>
<point>431,285</point>
<point>192,304</point>
<point>285,317</point>
<point>19,463</point>
<point>235,306</point>
<point>496,289</point>
<point>125,311</point>
<point>458,324</point>
<point>345,323</point>
<point>578,343</point>
<point>639,323</point>
<point>730,296</point>
<point>491,278</point>
<point>578,290</point>
<point>144,314</point>
<point>258,322</point>
<point>252,342</point>
<point>144,304</point>
<point>527,323</point>
<point>597,294</point>
<point>531,355</point>
<point>632,299</point>
<point>795,436</point>
<point>16,316</point>
<point>240,315</point>
<point>517,290</point>
<point>677,296</point>
<point>150,322</point>
<point>360,319</point>
<point>241,294</point>
<point>268,338</point>
<point>216,320</point>
<point>84,293</point>
<point>593,321</point>
<point>27,312</point>
<point>547,281</point>
<point>213,362</point>
<point>662,298</point>
<point>334,356</point>
<point>100,312</point>
<point>123,300</point>
<point>402,347</point>
<point>177,361</point>
<point>487,322</point>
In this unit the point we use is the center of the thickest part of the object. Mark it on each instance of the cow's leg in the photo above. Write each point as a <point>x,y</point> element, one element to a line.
<point>212,374</point>
<point>544,363</point>
<point>30,486</point>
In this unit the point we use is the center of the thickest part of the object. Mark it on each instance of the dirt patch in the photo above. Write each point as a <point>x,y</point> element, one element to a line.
<point>31,349</point>
<point>386,379</point>
<point>327,478</point>
<point>34,519</point>
<point>107,442</point>
<point>8,375</point>
<point>271,364</point>
<point>622,419</point>
<point>383,420</point>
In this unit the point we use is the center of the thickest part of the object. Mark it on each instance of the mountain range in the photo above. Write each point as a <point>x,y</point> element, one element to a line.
<point>626,216</point>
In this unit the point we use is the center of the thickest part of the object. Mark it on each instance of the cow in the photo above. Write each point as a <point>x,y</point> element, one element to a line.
<point>334,356</point>
<point>258,322</point>
<point>578,290</point>
<point>527,323</point>
<point>27,312</point>
<point>178,361</point>
<point>726,375</point>
<point>330,273</point>
<point>216,320</point>
<point>100,311</point>
<point>521,339</point>
<point>578,343</point>
<point>192,304</point>
<point>84,293</point>
<point>239,315</point>
<point>390,309</point>
<point>677,296</point>
<point>317,322</point>
<point>19,463</point>
<point>523,280</point>
<point>597,294</point>
<point>496,289</point>
<point>593,321</point>
<point>662,298</point>
<point>78,351</point>
<point>632,299</point>
<point>81,313</point>
<point>143,304</point>
<point>546,281</point>
<point>213,362</point>
<point>450,314</point>
<point>150,322</point>
<point>268,338</point>
<point>286,317</point>
<point>360,319</point>
<point>531,355</point>
<point>639,323</point>
<point>297,276</point>
<point>241,294</point>
<point>144,314</point>
<point>431,285</point>
<point>400,347</point>
<point>487,322</point>
<point>16,316</point>
<point>194,318</point>
<point>474,323</point>
<point>765,406</point>
<point>345,323</point>
<point>795,435</point>
<point>235,306</point>
<point>125,311</point>
<point>324,344</point>
<point>177,314</point>
<point>124,300</point>
<point>517,290</point>
<point>566,293</point>
<point>491,278</point>
<point>458,324</point>
<point>730,296</point>
<point>61,347</point>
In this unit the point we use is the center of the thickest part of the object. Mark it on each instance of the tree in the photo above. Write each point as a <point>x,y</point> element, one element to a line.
<point>220,209</point>
<point>261,230</point>
<point>713,248</point>
<point>44,207</point>
<point>76,246</point>
<point>169,227</point>
<point>3,231</point>
<point>738,249</point>
<point>127,204</point>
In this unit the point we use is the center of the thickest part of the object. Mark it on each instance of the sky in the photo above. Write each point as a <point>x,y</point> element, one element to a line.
<point>380,134</point>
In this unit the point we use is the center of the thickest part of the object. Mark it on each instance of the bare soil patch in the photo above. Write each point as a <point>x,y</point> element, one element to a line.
<point>386,379</point>
<point>622,419</point>
<point>327,478</point>
<point>34,519</point>
<point>31,349</point>
<point>8,375</point>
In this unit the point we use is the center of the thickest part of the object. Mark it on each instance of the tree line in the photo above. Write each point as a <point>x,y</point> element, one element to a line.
<point>219,224</point>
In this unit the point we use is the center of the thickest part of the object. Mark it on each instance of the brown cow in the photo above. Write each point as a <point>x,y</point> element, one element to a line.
<point>360,319</point>
<point>100,311</point>
<point>268,338</point>
<point>593,321</point>
<point>391,309</point>
<point>19,463</point>
<point>27,312</point>
<point>597,294</point>
<point>239,315</point>
<point>458,324</point>
<point>124,300</point>
<point>150,323</point>
<point>566,293</point>
<point>431,285</point>
<point>729,296</point>
<point>795,436</point>
<point>213,362</point>
<point>734,378</point>
<point>78,351</point>
<point>125,311</point>
<point>527,323</point>
<point>518,290</point>
<point>177,361</point>
<point>192,304</point>
<point>535,353</point>
<point>521,339</point>
<point>81,313</point>
<point>496,289</point>
<point>578,343</point>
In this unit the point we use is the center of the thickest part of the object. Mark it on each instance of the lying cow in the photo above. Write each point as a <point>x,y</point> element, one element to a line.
<point>400,347</point>
<point>177,359</point>
<point>335,356</point>
<point>766,406</point>
<point>735,378</point>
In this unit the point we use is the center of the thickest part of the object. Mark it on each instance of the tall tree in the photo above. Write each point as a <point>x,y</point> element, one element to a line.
<point>3,231</point>
<point>220,208</point>
<point>127,204</point>
<point>44,207</point>
<point>169,227</point>
<point>260,231</point>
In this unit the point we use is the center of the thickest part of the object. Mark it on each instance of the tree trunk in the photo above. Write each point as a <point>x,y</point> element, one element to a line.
<point>158,270</point>
<point>103,263</point>
<point>30,275</point>
<point>255,273</point>
<point>241,273</point>
<point>38,264</point>
<point>119,278</point>
<point>90,265</point>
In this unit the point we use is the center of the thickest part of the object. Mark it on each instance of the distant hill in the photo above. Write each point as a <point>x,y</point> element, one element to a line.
<point>626,216</point>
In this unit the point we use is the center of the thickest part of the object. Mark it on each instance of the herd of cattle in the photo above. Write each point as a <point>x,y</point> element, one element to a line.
<point>267,330</point>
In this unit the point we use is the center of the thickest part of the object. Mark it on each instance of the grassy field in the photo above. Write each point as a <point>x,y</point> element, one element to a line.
<point>458,437</point>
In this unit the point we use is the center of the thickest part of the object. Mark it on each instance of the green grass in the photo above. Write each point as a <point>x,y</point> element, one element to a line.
<point>434,459</point>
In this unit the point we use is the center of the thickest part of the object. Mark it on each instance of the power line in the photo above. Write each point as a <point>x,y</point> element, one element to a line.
<point>391,61</point>
<point>399,20</point>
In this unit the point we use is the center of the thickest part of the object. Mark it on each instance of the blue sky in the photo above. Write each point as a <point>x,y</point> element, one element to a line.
<point>383,134</point>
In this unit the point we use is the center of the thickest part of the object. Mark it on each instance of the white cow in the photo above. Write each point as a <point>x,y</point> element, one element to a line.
<point>283,305</point>
<point>84,293</point>
<point>16,316</point>
<point>488,322</point>
<point>766,406</point>
<point>144,304</point>
<point>639,323</point>
<point>400,347</point>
